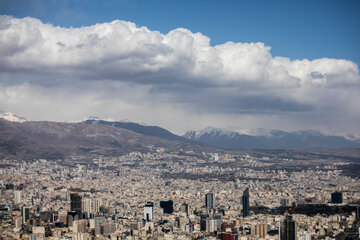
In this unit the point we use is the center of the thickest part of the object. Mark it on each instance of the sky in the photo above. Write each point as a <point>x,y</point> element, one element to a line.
<point>184,65</point>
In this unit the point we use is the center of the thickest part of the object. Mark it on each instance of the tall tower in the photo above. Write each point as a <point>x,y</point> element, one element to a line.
<point>25,213</point>
<point>75,203</point>
<point>287,229</point>
<point>149,211</point>
<point>245,203</point>
<point>210,200</point>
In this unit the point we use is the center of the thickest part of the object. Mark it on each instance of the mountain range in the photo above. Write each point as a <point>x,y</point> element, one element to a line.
<point>232,139</point>
<point>29,139</point>
<point>271,139</point>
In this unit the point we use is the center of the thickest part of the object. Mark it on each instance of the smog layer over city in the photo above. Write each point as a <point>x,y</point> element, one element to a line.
<point>231,120</point>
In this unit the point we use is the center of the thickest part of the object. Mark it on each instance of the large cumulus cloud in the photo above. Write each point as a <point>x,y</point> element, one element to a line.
<point>179,69</point>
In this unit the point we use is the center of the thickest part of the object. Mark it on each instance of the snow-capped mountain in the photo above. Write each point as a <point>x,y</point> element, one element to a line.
<point>11,117</point>
<point>230,132</point>
<point>267,139</point>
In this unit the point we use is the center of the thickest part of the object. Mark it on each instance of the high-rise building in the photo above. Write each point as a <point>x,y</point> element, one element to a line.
<point>203,218</point>
<point>246,203</point>
<point>221,210</point>
<point>148,211</point>
<point>70,220</point>
<point>25,213</point>
<point>86,205</point>
<point>91,205</point>
<point>259,230</point>
<point>72,216</point>
<point>18,222</point>
<point>80,226</point>
<point>211,225</point>
<point>184,208</point>
<point>167,206</point>
<point>63,217</point>
<point>287,229</point>
<point>99,220</point>
<point>218,218</point>
<point>210,200</point>
<point>75,203</point>
<point>96,204</point>
<point>92,223</point>
<point>336,197</point>
<point>17,197</point>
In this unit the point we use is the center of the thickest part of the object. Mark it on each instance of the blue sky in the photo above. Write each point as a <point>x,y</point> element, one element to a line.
<point>290,65</point>
<point>294,29</point>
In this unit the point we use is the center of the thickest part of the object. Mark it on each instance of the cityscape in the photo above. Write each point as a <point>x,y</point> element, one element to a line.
<point>178,195</point>
<point>179,120</point>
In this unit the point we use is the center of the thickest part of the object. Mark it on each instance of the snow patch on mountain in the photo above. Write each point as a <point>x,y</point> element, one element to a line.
<point>11,117</point>
<point>96,119</point>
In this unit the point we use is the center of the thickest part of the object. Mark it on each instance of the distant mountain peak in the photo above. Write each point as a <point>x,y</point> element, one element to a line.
<point>229,132</point>
<point>11,117</point>
<point>94,119</point>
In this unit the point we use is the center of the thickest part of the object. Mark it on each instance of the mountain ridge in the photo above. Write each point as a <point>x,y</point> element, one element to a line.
<point>58,140</point>
<point>143,129</point>
<point>210,136</point>
<point>227,139</point>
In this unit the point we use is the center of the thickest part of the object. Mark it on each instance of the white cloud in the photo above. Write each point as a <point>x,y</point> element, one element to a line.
<point>140,69</point>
